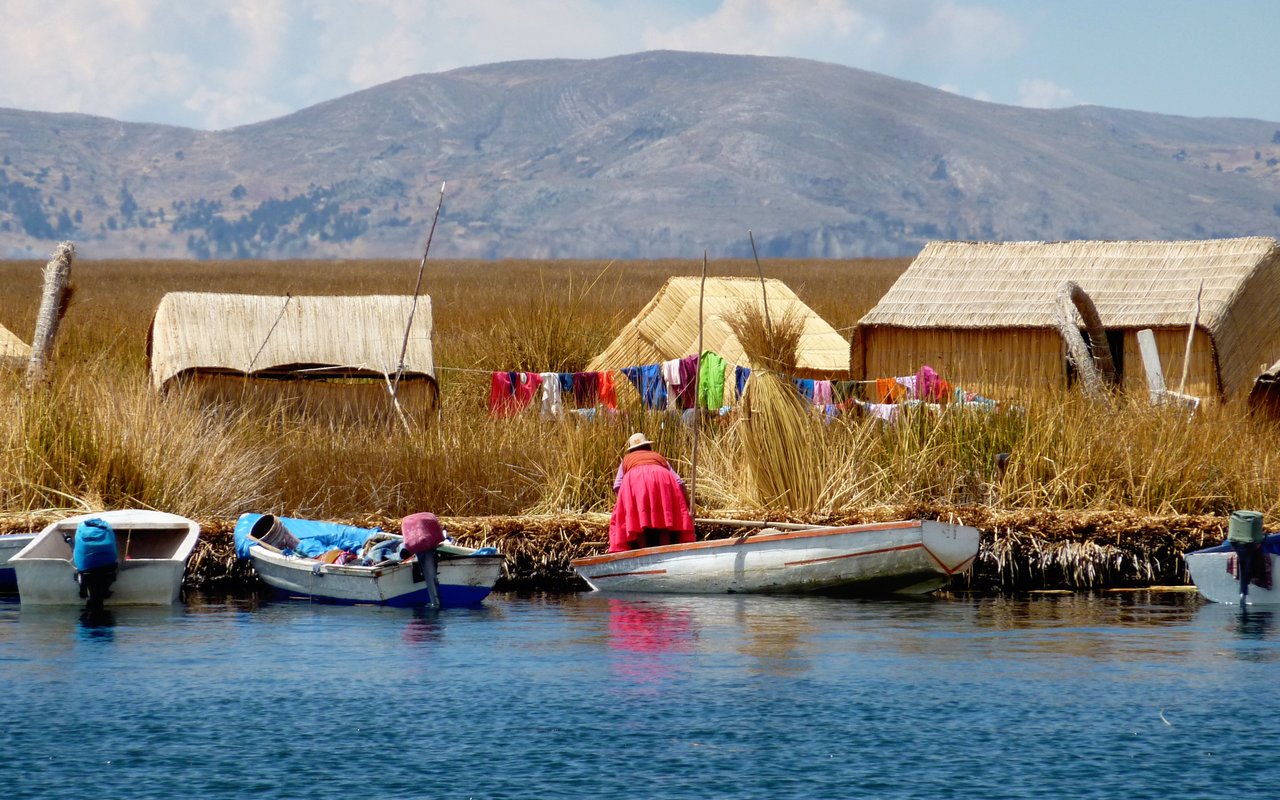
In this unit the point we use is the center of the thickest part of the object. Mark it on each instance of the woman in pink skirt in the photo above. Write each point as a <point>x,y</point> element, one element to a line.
<point>651,508</point>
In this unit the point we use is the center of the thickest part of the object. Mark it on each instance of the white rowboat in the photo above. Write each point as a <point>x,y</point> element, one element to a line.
<point>1212,572</point>
<point>903,557</point>
<point>153,550</point>
<point>10,544</point>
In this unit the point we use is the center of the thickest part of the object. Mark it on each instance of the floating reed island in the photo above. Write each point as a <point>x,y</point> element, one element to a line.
<point>1069,491</point>
<point>1020,551</point>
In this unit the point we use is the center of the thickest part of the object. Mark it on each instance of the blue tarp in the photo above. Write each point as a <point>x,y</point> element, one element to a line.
<point>1270,544</point>
<point>314,538</point>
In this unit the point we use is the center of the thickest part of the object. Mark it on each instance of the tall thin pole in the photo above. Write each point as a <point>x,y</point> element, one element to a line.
<point>768,326</point>
<point>1191,333</point>
<point>417,288</point>
<point>697,408</point>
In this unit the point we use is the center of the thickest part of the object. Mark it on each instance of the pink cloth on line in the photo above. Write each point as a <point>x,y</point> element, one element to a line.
<point>649,497</point>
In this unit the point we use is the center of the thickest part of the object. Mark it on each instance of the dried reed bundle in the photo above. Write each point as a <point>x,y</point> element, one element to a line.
<point>776,427</point>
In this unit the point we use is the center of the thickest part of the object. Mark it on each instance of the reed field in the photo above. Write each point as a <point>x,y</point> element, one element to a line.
<point>94,435</point>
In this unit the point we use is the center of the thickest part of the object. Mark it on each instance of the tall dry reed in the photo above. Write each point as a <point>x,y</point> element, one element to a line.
<point>96,436</point>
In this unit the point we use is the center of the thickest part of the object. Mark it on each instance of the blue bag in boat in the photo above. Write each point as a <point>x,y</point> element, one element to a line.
<point>95,545</point>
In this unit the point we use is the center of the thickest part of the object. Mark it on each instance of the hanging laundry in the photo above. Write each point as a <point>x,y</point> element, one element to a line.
<point>501,398</point>
<point>608,394</point>
<point>740,376</point>
<point>649,383</point>
<point>566,381</point>
<point>931,387</point>
<point>822,393</point>
<point>888,390</point>
<point>908,383</point>
<point>844,390</point>
<point>711,381</point>
<point>805,386</point>
<point>552,400</point>
<point>525,388</point>
<point>688,394</point>
<point>586,389</point>
<point>730,385</point>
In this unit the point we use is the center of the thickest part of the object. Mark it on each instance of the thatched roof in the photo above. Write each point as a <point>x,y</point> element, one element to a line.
<point>12,347</point>
<point>667,327</point>
<point>254,334</point>
<point>1133,285</point>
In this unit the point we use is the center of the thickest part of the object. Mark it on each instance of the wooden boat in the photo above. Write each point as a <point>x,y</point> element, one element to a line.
<point>153,550</point>
<point>465,576</point>
<point>903,557</point>
<point>1213,572</point>
<point>10,544</point>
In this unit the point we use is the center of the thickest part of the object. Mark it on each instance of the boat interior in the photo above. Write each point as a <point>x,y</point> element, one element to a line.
<point>135,542</point>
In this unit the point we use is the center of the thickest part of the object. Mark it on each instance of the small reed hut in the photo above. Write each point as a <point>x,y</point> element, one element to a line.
<point>985,314</point>
<point>667,327</point>
<point>335,356</point>
<point>12,349</point>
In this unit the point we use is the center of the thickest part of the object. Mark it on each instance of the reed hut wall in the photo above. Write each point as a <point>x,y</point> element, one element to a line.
<point>1003,296</point>
<point>667,327</point>
<point>11,347</point>
<point>337,345</point>
<point>1009,363</point>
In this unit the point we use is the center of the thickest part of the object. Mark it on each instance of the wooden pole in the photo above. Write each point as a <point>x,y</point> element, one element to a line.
<point>768,326</point>
<point>417,288</point>
<point>53,305</point>
<point>697,408</point>
<point>1191,333</point>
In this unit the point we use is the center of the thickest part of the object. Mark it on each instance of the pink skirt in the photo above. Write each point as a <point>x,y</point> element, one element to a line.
<point>650,498</point>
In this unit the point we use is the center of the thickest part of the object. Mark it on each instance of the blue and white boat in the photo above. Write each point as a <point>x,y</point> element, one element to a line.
<point>10,544</point>
<point>466,576</point>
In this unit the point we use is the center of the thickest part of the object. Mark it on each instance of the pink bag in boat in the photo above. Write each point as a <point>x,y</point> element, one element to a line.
<point>422,532</point>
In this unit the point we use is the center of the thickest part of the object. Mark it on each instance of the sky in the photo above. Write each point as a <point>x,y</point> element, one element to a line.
<point>216,64</point>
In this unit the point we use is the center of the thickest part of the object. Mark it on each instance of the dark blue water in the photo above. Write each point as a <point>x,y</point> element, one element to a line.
<point>1128,696</point>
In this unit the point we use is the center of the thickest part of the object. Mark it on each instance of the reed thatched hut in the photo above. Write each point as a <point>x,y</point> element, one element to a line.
<point>336,355</point>
<point>667,327</point>
<point>12,348</point>
<point>986,313</point>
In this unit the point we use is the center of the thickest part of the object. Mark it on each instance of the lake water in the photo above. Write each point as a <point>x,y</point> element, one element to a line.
<point>585,696</point>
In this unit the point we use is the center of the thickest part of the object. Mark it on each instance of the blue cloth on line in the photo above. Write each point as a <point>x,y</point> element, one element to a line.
<point>740,375</point>
<point>649,383</point>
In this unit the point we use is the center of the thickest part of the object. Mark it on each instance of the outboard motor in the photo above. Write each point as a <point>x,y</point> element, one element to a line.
<point>422,535</point>
<point>96,559</point>
<point>1245,535</point>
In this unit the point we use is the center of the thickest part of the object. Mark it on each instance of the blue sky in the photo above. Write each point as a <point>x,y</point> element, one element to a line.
<point>214,64</point>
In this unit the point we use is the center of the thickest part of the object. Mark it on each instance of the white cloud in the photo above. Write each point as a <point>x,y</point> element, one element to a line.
<point>220,64</point>
<point>1041,93</point>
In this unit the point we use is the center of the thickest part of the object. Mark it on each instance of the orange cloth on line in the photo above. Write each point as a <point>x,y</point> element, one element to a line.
<point>888,390</point>
<point>608,396</point>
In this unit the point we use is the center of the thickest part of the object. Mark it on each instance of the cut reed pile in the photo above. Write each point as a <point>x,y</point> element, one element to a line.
<point>775,429</point>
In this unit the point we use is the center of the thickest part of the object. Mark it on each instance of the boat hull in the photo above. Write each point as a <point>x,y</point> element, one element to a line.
<point>904,557</point>
<point>463,581</point>
<point>153,547</point>
<point>1208,570</point>
<point>10,544</point>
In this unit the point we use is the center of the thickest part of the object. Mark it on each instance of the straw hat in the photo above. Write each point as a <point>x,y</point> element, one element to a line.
<point>637,440</point>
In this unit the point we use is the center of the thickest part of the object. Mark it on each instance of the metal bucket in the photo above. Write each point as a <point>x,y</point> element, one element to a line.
<point>1245,527</point>
<point>270,530</point>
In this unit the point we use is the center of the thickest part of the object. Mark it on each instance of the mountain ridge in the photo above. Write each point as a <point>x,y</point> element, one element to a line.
<point>650,155</point>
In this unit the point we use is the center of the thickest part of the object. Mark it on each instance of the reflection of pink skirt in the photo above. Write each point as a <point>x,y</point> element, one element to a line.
<point>650,497</point>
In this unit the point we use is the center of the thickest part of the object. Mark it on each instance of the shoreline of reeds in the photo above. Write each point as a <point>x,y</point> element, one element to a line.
<point>1020,551</point>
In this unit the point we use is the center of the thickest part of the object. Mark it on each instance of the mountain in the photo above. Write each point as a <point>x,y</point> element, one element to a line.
<point>658,154</point>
